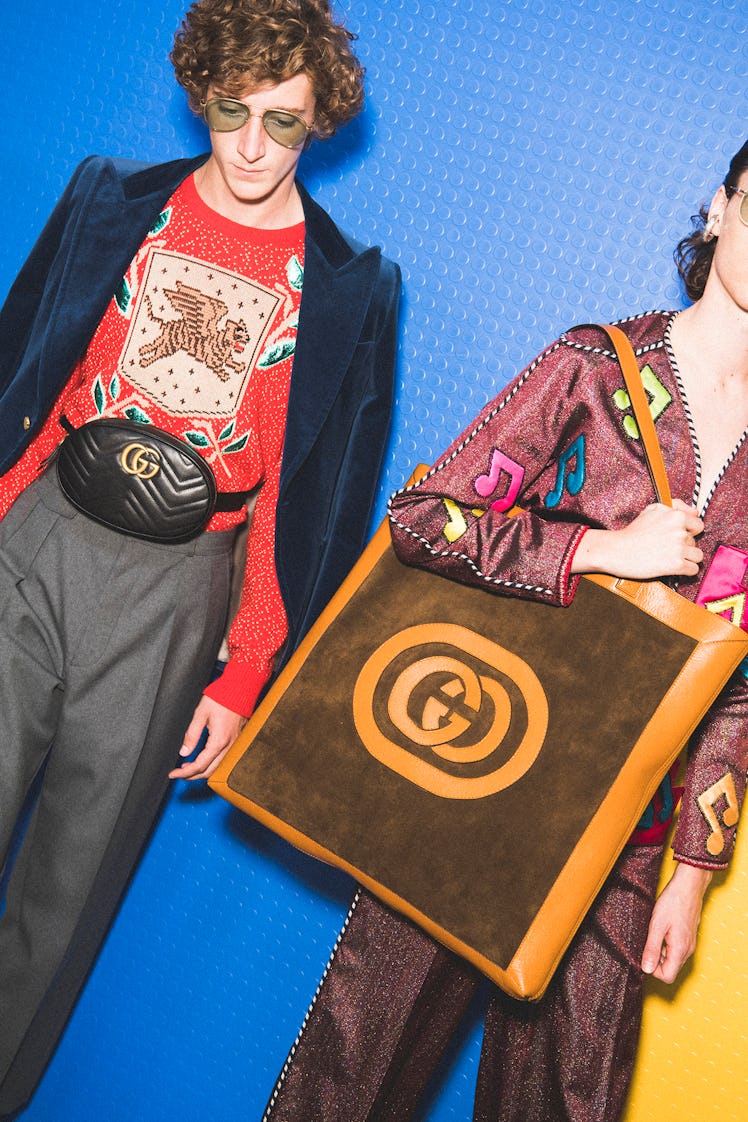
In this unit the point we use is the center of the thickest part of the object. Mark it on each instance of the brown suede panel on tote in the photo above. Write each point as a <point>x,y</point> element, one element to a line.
<point>479,867</point>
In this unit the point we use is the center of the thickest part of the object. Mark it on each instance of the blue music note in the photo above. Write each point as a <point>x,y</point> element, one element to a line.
<point>573,479</point>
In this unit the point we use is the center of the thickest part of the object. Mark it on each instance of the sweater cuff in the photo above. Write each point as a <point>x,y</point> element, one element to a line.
<point>238,687</point>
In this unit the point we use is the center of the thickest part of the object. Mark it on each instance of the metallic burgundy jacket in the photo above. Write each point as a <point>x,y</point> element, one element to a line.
<point>560,441</point>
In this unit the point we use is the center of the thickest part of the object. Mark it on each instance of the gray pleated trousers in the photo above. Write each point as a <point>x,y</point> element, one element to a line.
<point>106,643</point>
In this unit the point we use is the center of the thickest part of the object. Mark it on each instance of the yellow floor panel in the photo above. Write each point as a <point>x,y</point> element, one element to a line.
<point>693,1059</point>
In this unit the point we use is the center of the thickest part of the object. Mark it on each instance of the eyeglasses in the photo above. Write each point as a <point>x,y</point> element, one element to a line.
<point>743,212</point>
<point>224,114</point>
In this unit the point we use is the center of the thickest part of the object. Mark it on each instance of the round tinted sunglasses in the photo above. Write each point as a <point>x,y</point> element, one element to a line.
<point>743,212</point>
<point>224,114</point>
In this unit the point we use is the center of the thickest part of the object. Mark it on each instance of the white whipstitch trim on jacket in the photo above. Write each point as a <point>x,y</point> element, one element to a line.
<point>586,348</point>
<point>692,431</point>
<point>563,341</point>
<point>717,481</point>
<point>289,1059</point>
<point>689,417</point>
<point>540,589</point>
<point>656,346</point>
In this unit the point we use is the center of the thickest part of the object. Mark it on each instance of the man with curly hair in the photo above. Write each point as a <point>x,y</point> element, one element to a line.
<point>213,300</point>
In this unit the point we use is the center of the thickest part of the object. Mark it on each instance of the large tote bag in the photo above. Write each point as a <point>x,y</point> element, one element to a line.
<point>477,761</point>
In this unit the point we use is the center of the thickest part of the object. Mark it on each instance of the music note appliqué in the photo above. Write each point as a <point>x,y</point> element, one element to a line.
<point>659,399</point>
<point>456,524</point>
<point>501,465</point>
<point>570,473</point>
<point>724,788</point>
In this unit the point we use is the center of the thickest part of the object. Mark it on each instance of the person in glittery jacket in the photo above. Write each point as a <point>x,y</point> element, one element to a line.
<point>391,999</point>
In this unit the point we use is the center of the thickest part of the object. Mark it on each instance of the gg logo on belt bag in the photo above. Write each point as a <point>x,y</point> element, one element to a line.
<point>140,460</point>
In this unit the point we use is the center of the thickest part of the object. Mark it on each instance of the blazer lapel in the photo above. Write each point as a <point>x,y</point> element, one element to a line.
<point>106,237</point>
<point>338,284</point>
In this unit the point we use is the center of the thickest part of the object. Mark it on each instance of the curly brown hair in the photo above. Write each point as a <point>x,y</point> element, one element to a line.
<point>693,255</point>
<point>241,44</point>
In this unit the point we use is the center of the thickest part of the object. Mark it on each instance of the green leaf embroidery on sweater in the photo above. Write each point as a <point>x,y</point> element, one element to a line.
<point>162,221</point>
<point>98,396</point>
<point>123,296</point>
<point>237,445</point>
<point>295,273</point>
<point>277,353</point>
<point>197,439</point>
<point>135,414</point>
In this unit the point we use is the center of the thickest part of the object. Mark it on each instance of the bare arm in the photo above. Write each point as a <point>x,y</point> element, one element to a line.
<point>659,542</point>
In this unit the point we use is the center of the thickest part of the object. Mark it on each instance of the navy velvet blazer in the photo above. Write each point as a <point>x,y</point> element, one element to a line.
<point>341,385</point>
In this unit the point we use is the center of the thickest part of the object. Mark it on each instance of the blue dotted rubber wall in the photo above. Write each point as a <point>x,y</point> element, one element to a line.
<point>530,165</point>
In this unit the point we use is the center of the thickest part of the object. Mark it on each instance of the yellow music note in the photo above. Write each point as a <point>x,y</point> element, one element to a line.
<point>456,525</point>
<point>724,787</point>
<point>659,399</point>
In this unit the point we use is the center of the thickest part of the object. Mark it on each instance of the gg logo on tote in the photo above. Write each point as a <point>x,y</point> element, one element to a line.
<point>140,460</point>
<point>450,711</point>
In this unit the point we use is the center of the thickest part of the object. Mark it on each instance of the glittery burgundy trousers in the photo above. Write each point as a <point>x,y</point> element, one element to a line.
<point>391,1000</point>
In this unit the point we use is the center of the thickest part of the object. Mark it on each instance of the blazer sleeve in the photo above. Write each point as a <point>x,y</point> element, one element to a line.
<point>19,312</point>
<point>367,438</point>
<point>332,498</point>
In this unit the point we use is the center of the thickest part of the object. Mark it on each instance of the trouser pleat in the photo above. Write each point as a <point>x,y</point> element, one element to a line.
<point>105,645</point>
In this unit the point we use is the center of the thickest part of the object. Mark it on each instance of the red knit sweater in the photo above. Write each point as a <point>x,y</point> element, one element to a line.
<point>199,340</point>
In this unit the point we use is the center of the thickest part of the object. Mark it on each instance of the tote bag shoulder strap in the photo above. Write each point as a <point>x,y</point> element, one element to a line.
<point>640,407</point>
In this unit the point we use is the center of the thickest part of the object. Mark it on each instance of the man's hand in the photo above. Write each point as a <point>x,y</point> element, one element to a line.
<point>223,727</point>
<point>675,923</point>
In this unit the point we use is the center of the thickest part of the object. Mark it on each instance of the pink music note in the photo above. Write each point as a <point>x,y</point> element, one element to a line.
<point>485,485</point>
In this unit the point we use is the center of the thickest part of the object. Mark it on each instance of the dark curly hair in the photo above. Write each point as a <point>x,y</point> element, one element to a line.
<point>693,256</point>
<point>240,44</point>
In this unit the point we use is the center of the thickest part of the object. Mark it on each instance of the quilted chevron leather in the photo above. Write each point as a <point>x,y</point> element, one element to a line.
<point>137,480</point>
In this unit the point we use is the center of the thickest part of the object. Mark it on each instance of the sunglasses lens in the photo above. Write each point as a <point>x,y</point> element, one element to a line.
<point>223,115</point>
<point>284,128</point>
<point>744,209</point>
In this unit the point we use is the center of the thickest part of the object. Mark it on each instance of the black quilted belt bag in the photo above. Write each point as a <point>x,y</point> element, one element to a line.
<point>139,480</point>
